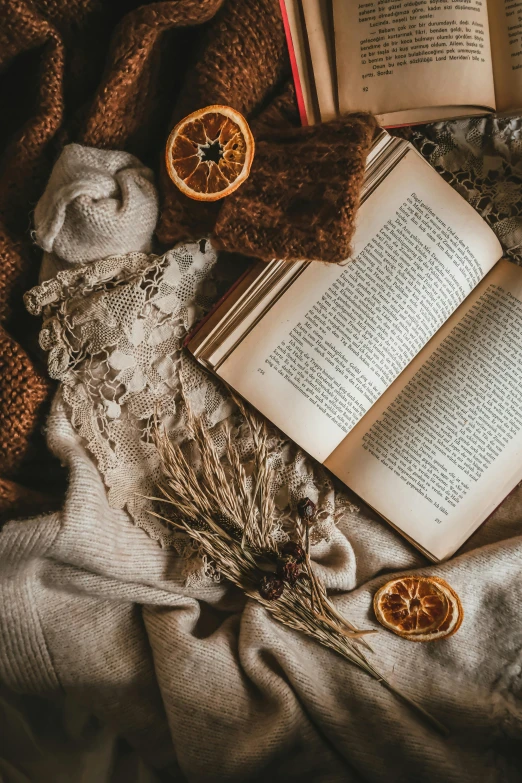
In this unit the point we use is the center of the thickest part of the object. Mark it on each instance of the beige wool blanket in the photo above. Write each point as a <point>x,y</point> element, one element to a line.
<point>197,682</point>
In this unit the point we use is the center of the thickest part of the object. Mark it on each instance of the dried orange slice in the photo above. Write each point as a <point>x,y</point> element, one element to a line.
<point>210,152</point>
<point>419,608</point>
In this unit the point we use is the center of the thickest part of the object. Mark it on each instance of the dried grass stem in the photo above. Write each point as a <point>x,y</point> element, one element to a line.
<point>230,518</point>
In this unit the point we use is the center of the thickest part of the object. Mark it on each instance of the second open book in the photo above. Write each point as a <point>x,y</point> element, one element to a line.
<point>407,61</point>
<point>400,371</point>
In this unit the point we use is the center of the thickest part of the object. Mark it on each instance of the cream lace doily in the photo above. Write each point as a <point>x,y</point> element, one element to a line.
<point>114,330</point>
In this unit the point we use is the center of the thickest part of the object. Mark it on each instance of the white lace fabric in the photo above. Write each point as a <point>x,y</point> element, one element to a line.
<point>114,330</point>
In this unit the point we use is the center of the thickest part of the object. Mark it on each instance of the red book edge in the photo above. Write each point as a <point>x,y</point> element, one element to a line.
<point>293,65</point>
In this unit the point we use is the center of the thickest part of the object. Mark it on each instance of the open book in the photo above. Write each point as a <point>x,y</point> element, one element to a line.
<point>400,371</point>
<point>407,61</point>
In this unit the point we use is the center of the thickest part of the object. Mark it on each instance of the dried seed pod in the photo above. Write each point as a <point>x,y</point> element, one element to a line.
<point>306,509</point>
<point>294,550</point>
<point>198,524</point>
<point>271,587</point>
<point>289,571</point>
<point>235,530</point>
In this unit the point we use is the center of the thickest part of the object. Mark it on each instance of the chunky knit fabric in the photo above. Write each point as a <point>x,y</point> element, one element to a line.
<point>303,190</point>
<point>114,76</point>
<point>21,392</point>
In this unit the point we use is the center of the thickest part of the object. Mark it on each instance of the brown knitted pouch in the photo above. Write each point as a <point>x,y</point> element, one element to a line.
<point>302,195</point>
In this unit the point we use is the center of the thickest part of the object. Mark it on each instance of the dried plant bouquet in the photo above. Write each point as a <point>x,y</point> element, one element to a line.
<point>231,519</point>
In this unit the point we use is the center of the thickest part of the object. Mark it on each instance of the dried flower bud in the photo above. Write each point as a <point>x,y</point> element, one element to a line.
<point>294,550</point>
<point>289,571</point>
<point>306,509</point>
<point>271,587</point>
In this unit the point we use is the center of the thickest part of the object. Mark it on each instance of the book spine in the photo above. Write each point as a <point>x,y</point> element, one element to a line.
<point>192,333</point>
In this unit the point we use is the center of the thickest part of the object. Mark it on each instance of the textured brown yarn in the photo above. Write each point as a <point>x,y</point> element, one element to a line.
<point>302,195</point>
<point>23,388</point>
<point>21,393</point>
<point>127,98</point>
<point>117,76</point>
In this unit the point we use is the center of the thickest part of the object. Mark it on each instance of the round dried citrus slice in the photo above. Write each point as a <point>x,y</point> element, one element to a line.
<point>210,152</point>
<point>419,608</point>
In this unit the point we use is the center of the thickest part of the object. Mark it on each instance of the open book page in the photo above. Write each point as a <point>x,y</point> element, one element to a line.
<point>413,54</point>
<point>505,24</point>
<point>319,30</point>
<point>443,446</point>
<point>340,335</point>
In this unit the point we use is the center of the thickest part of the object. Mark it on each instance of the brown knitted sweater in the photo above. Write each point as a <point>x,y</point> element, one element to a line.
<point>116,76</point>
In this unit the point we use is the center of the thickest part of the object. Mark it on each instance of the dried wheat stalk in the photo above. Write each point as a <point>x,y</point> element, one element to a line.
<point>232,524</point>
